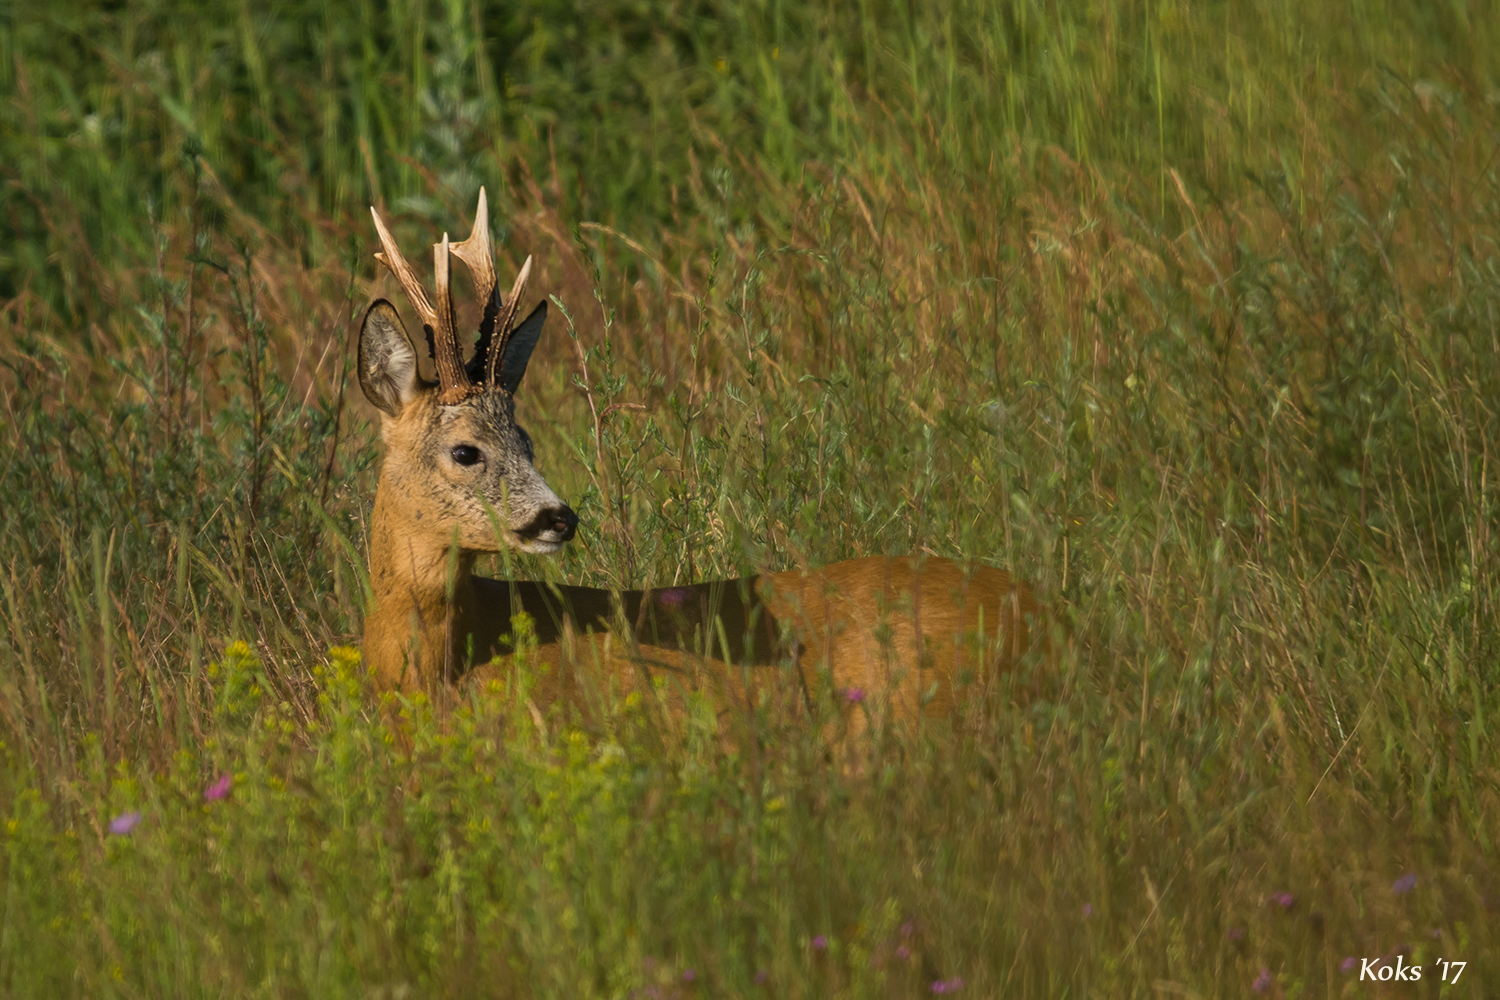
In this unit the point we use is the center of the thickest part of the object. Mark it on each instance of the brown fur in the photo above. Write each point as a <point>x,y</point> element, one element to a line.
<point>906,634</point>
<point>902,637</point>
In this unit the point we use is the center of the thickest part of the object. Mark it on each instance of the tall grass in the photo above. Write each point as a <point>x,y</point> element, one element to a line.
<point>1188,314</point>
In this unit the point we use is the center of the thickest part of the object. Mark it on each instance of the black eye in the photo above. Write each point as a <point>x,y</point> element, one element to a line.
<point>465,454</point>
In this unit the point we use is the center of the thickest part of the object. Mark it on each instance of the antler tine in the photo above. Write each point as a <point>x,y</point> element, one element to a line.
<point>506,318</point>
<point>453,382</point>
<point>405,276</point>
<point>479,258</point>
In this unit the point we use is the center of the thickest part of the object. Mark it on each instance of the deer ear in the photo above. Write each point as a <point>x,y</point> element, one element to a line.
<point>387,364</point>
<point>518,348</point>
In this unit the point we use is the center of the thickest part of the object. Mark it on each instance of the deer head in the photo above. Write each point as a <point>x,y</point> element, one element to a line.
<point>455,457</point>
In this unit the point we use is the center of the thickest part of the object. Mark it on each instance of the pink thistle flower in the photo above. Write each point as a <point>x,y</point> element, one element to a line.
<point>219,789</point>
<point>1349,963</point>
<point>903,952</point>
<point>674,597</point>
<point>854,695</point>
<point>688,975</point>
<point>819,943</point>
<point>124,823</point>
<point>1262,981</point>
<point>1284,900</point>
<point>948,985</point>
<point>908,929</point>
<point>761,975</point>
<point>1406,883</point>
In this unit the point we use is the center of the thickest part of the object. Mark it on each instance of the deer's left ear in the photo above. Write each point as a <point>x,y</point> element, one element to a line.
<point>518,348</point>
<point>387,364</point>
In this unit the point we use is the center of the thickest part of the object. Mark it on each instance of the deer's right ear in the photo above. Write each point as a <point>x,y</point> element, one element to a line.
<point>387,364</point>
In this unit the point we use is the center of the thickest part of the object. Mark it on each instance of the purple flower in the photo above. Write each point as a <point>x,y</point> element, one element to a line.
<point>674,597</point>
<point>124,823</point>
<point>1236,934</point>
<point>948,985</point>
<point>688,975</point>
<point>819,943</point>
<point>903,952</point>
<point>1262,981</point>
<point>1088,909</point>
<point>1406,883</point>
<point>761,975</point>
<point>908,929</point>
<point>1284,900</point>
<point>219,789</point>
<point>854,695</point>
<point>1349,963</point>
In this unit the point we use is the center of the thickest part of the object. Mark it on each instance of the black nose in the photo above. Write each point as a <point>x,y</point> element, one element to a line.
<point>559,519</point>
<point>564,521</point>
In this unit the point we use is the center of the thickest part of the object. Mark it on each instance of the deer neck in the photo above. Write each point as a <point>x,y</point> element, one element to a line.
<point>421,595</point>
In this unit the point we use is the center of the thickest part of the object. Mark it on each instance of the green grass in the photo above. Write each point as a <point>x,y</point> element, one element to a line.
<point>1189,314</point>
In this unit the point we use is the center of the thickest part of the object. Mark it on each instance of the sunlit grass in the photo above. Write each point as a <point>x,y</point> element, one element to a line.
<point>1185,314</point>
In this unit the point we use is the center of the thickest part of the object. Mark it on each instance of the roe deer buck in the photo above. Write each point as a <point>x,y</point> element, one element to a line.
<point>458,480</point>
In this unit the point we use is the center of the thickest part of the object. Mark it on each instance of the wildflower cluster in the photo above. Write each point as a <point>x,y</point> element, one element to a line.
<point>240,684</point>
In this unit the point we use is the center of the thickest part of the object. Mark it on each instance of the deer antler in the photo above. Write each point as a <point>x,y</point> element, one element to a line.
<point>453,382</point>
<point>507,317</point>
<point>478,256</point>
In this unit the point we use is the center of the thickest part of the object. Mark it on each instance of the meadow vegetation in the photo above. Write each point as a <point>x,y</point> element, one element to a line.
<point>1187,313</point>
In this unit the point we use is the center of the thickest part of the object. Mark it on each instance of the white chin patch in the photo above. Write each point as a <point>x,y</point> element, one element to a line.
<point>538,547</point>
